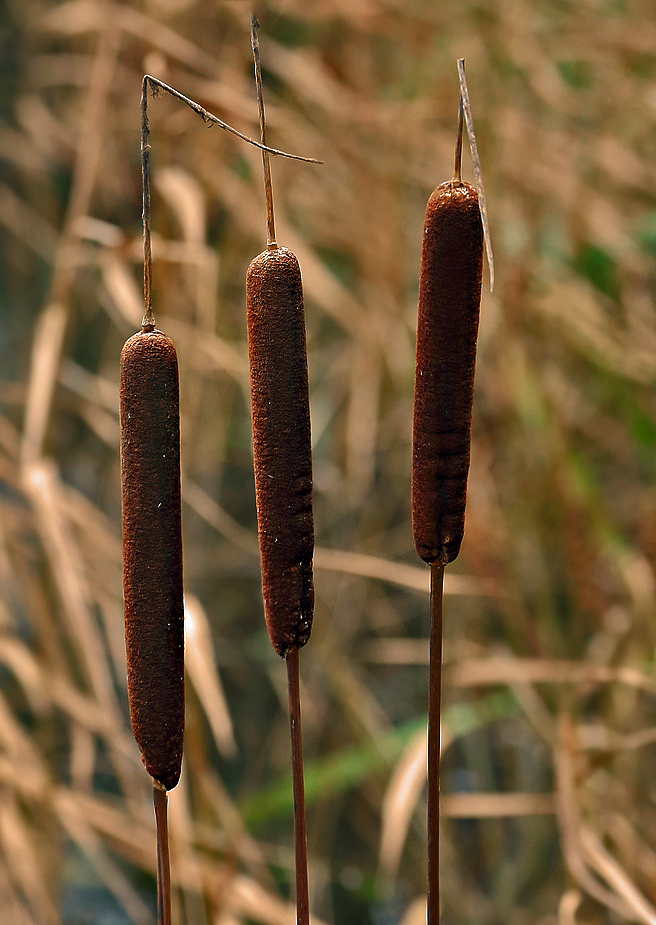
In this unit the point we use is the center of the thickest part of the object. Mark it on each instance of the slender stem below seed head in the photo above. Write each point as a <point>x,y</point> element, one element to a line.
<point>300,828</point>
<point>434,716</point>
<point>160,800</point>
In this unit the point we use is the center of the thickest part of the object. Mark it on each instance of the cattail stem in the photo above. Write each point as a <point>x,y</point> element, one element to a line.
<point>434,710</point>
<point>209,117</point>
<point>457,173</point>
<point>282,452</point>
<point>148,320</point>
<point>300,829</point>
<point>160,800</point>
<point>266,163</point>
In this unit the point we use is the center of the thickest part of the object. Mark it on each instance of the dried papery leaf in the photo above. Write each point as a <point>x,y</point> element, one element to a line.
<point>318,283</point>
<point>122,288</point>
<point>101,550</point>
<point>605,864</point>
<point>536,711</point>
<point>89,713</point>
<point>52,70</point>
<point>24,222</point>
<point>475,672</point>
<point>590,330</point>
<point>200,665</point>
<point>96,389</point>
<point>48,339</point>
<point>17,657</point>
<point>237,840</point>
<point>185,858</point>
<point>304,70</point>
<point>493,805</point>
<point>360,704</point>
<point>246,898</point>
<point>187,200</point>
<point>45,492</point>
<point>362,423</point>
<point>398,573</point>
<point>75,17</point>
<point>130,832</point>
<point>336,560</point>
<point>28,784</point>
<point>212,351</point>
<point>569,903</point>
<point>13,907</point>
<point>24,860</point>
<point>632,845</point>
<point>20,748</point>
<point>49,134</point>
<point>227,918</point>
<point>79,16</point>
<point>401,797</point>
<point>20,151</point>
<point>82,757</point>
<point>9,441</point>
<point>50,507</point>
<point>213,514</point>
<point>52,323</point>
<point>74,822</point>
<point>415,914</point>
<point>569,823</point>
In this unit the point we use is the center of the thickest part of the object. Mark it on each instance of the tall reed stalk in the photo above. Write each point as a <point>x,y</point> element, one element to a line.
<point>283,469</point>
<point>447,328</point>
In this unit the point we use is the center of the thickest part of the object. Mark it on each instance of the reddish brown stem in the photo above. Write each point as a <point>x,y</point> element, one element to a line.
<point>160,800</point>
<point>300,831</point>
<point>434,710</point>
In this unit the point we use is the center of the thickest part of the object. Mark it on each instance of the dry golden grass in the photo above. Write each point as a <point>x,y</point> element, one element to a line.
<point>549,729</point>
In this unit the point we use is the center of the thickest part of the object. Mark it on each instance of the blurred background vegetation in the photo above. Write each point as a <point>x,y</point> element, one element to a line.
<point>550,716</point>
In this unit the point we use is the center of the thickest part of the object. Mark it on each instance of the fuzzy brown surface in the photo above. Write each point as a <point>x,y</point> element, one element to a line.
<point>447,327</point>
<point>152,551</point>
<point>281,444</point>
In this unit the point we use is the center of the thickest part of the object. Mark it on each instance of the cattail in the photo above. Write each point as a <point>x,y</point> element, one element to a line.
<point>280,407</point>
<point>152,535</point>
<point>152,550</point>
<point>282,452</point>
<point>281,444</point>
<point>447,327</point>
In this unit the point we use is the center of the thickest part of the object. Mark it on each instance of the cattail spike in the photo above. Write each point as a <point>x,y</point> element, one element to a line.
<point>281,444</point>
<point>152,550</point>
<point>447,328</point>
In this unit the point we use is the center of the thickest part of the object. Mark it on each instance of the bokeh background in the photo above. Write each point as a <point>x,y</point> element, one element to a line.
<point>550,690</point>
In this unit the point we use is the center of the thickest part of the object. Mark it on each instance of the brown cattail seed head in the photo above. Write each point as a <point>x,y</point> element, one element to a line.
<point>447,328</point>
<point>152,551</point>
<point>281,444</point>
